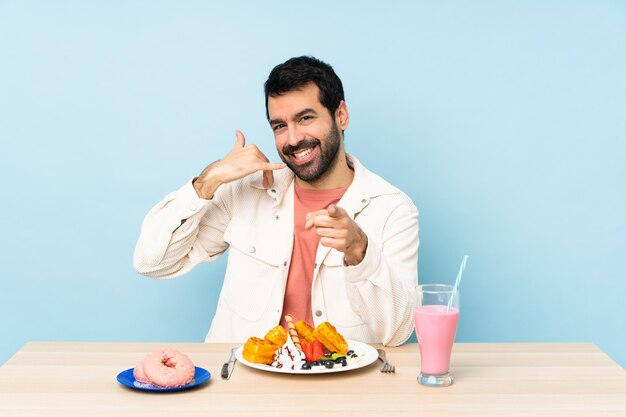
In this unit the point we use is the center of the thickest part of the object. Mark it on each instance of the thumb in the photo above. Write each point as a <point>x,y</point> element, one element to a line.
<point>240,142</point>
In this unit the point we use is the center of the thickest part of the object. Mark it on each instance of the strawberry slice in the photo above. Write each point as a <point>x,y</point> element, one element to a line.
<point>317,350</point>
<point>307,349</point>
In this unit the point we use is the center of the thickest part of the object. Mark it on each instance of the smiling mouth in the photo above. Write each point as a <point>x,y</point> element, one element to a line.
<point>301,154</point>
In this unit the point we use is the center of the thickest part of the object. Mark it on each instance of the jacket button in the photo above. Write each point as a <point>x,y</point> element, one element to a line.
<point>364,201</point>
<point>193,207</point>
<point>285,263</point>
<point>251,249</point>
<point>315,266</point>
<point>277,217</point>
<point>272,190</point>
<point>318,313</point>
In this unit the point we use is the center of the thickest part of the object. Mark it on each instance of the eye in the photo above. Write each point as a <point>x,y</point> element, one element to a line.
<point>278,126</point>
<point>306,118</point>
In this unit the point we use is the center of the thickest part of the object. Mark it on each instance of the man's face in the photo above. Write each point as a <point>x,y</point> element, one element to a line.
<point>307,137</point>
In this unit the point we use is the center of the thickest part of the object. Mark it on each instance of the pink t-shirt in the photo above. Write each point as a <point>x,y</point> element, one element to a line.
<point>297,300</point>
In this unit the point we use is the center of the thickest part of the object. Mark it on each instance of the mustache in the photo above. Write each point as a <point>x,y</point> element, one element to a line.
<point>303,144</point>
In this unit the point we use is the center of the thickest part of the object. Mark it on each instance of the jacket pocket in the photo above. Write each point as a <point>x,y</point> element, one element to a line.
<point>338,308</point>
<point>252,273</point>
<point>333,259</point>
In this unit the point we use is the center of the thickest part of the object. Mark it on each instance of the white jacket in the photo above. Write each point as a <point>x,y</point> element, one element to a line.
<point>369,302</point>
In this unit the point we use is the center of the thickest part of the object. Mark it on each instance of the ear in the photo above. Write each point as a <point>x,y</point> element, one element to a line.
<point>341,116</point>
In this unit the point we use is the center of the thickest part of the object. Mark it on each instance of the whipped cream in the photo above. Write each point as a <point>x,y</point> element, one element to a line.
<point>288,356</point>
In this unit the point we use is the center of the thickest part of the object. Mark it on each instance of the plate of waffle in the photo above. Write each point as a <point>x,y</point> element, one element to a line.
<point>360,355</point>
<point>305,350</point>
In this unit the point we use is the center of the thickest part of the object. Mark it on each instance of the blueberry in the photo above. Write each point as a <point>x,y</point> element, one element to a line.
<point>306,366</point>
<point>316,363</point>
<point>350,352</point>
<point>343,362</point>
<point>329,364</point>
<point>354,355</point>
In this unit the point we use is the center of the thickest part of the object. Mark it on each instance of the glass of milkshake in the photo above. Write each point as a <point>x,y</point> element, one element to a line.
<point>435,326</point>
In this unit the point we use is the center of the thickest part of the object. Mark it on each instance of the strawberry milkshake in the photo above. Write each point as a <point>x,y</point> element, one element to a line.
<point>435,326</point>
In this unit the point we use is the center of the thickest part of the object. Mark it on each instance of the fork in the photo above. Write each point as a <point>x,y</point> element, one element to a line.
<point>387,367</point>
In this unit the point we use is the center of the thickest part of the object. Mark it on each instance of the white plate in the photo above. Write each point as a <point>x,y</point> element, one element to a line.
<point>367,354</point>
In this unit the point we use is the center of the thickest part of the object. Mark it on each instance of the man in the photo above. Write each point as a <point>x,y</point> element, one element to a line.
<point>318,236</point>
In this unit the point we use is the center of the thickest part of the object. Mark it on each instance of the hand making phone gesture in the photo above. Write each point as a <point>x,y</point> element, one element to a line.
<point>240,162</point>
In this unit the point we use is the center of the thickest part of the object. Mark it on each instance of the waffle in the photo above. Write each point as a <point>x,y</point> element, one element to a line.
<point>305,332</point>
<point>259,350</point>
<point>330,338</point>
<point>277,335</point>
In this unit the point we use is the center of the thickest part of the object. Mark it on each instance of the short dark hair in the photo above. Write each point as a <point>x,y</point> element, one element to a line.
<point>295,73</point>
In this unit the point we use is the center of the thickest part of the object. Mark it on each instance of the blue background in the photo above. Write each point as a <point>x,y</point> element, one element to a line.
<point>505,122</point>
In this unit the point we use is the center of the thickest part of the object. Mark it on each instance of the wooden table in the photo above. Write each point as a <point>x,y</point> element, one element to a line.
<point>509,379</point>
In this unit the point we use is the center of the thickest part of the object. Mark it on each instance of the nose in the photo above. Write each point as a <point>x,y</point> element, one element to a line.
<point>294,136</point>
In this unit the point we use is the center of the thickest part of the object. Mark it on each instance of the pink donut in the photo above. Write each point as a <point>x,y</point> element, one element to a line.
<point>168,368</point>
<point>139,373</point>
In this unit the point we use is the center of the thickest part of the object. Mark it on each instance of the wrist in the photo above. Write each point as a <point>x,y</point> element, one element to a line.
<point>206,185</point>
<point>356,253</point>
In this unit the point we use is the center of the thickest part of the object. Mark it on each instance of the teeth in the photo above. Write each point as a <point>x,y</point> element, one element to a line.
<point>302,154</point>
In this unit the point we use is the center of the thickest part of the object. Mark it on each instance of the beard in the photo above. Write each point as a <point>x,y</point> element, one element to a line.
<point>318,168</point>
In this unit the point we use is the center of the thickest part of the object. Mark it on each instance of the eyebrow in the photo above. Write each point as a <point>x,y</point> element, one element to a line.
<point>296,116</point>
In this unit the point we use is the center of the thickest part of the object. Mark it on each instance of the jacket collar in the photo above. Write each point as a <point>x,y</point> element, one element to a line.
<point>365,186</point>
